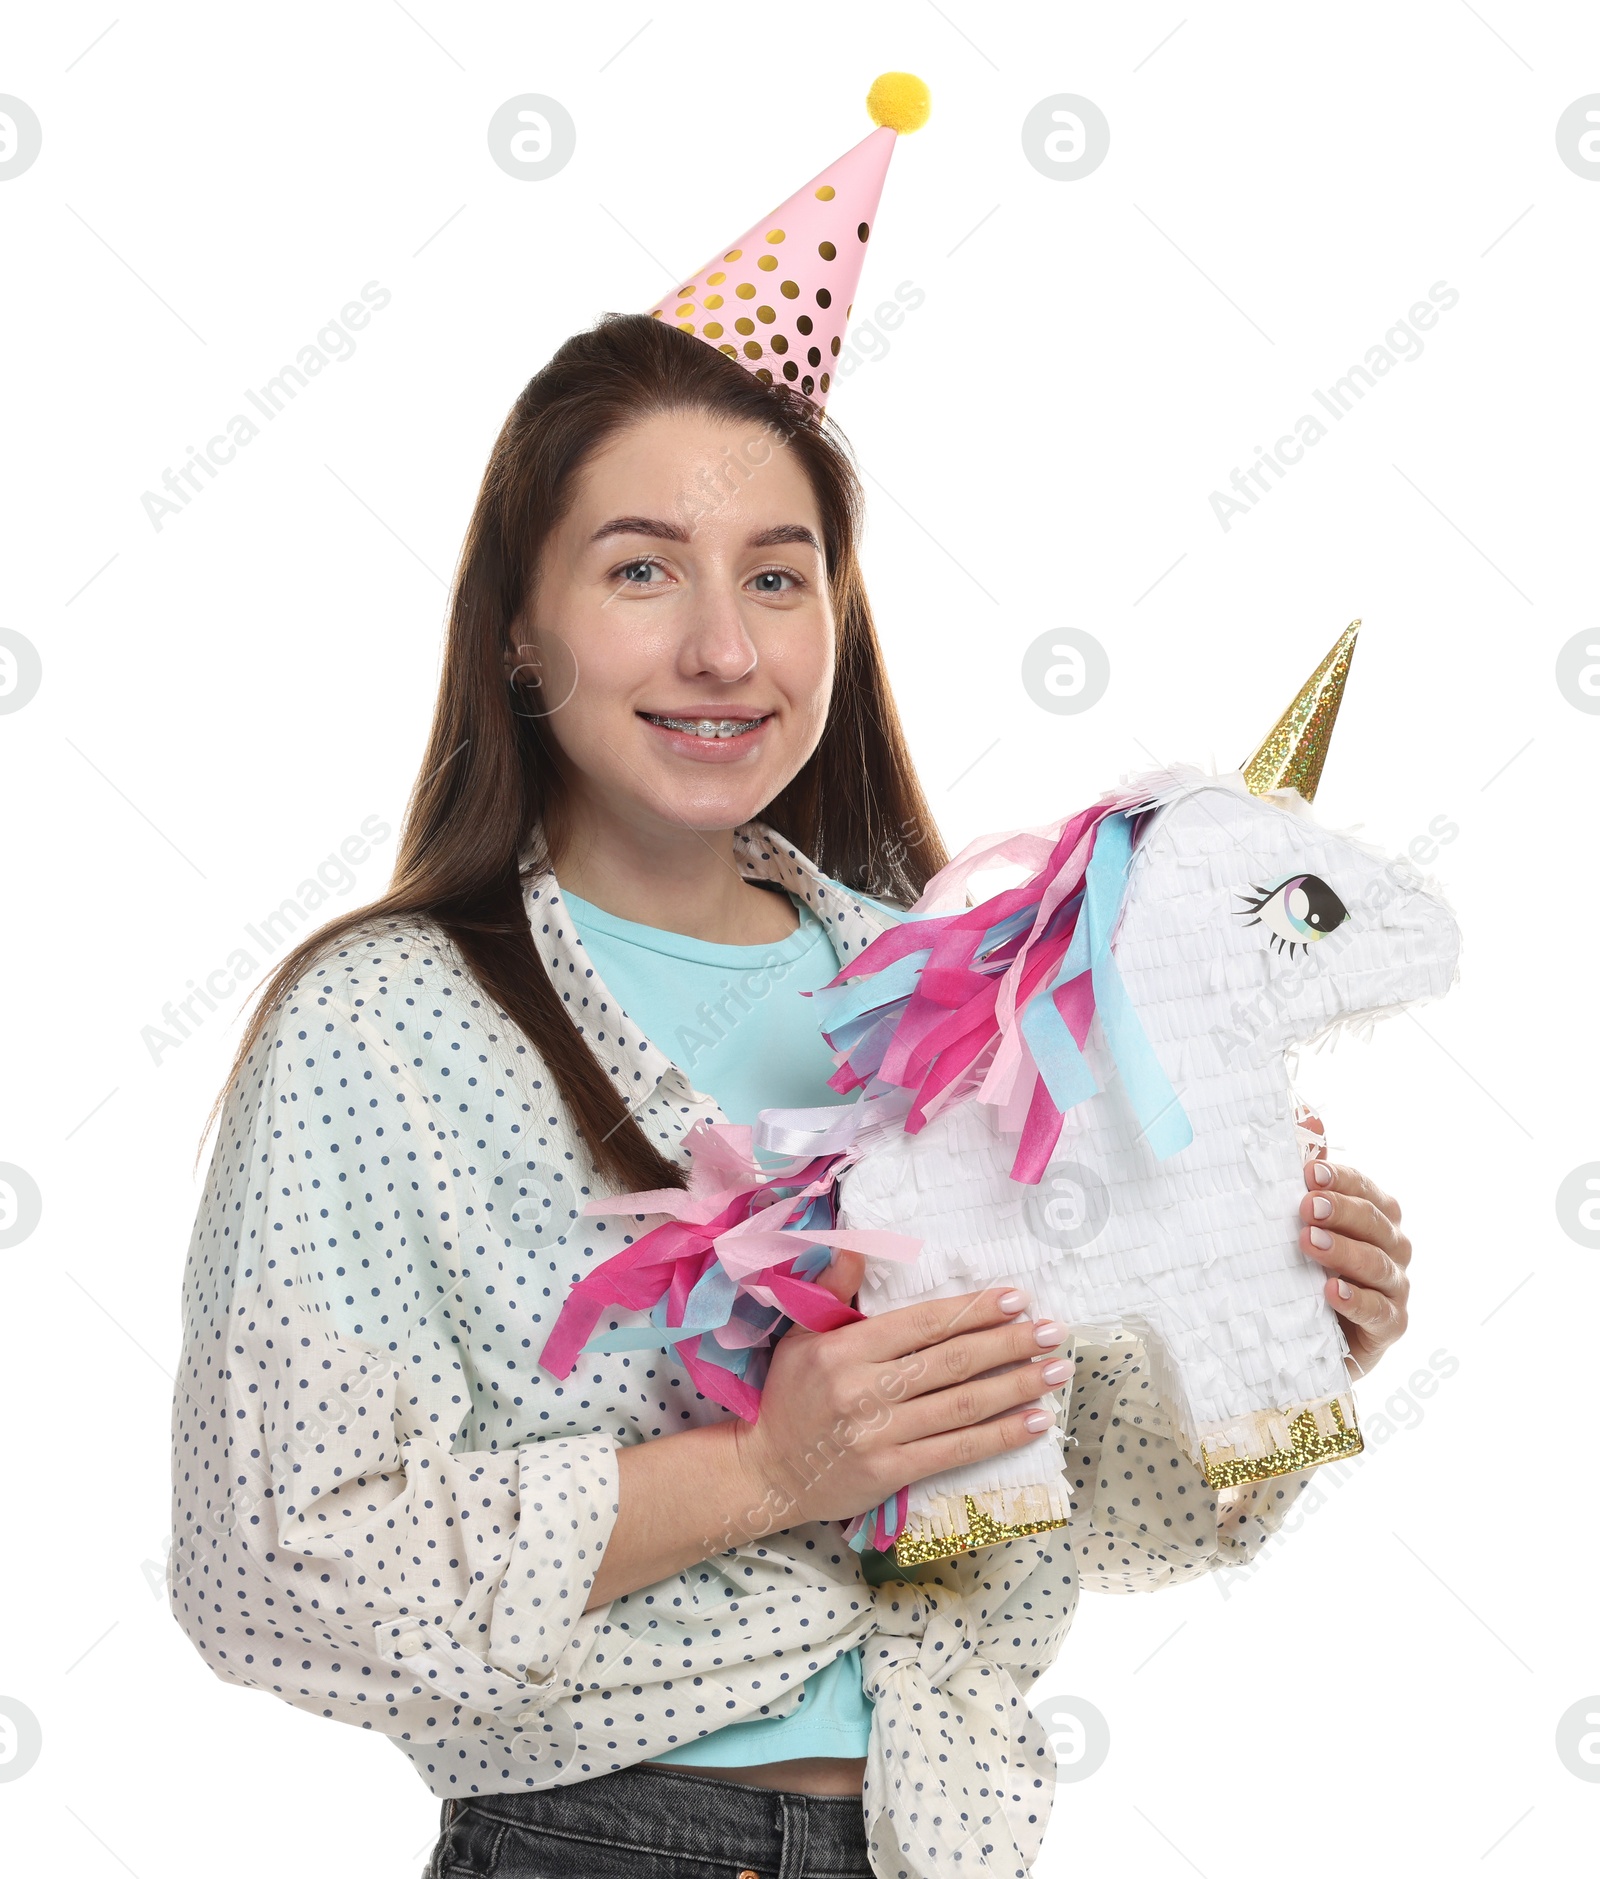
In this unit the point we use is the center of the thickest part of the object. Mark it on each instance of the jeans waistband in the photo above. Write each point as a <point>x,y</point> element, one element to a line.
<point>686,1814</point>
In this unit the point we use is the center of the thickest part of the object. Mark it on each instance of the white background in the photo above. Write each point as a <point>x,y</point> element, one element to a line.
<point>226,699</point>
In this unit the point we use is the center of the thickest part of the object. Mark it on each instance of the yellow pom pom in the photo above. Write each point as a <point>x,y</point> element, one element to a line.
<point>900,100</point>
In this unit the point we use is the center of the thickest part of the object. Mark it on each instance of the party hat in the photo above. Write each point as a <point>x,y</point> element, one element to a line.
<point>1292,752</point>
<point>777,298</point>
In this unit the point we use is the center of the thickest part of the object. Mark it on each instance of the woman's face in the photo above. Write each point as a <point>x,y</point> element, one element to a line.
<point>686,582</point>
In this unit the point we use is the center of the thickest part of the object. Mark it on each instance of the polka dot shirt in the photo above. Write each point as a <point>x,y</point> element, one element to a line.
<point>386,1513</point>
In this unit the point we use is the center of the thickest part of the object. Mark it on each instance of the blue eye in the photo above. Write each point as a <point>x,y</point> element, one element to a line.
<point>1297,912</point>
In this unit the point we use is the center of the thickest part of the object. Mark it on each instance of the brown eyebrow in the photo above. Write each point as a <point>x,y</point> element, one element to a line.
<point>639,525</point>
<point>669,531</point>
<point>785,532</point>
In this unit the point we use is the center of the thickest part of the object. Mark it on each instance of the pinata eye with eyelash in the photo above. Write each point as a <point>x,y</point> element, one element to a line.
<point>1296,912</point>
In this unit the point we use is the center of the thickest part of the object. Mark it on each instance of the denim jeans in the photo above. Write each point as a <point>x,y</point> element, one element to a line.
<point>652,1823</point>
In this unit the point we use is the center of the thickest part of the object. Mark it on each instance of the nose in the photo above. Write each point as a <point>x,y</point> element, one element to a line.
<point>716,642</point>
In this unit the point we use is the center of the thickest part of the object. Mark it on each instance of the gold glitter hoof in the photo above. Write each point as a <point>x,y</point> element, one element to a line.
<point>911,1549</point>
<point>1308,1445</point>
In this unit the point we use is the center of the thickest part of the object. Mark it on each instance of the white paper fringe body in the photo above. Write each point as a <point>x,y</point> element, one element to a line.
<point>1198,1256</point>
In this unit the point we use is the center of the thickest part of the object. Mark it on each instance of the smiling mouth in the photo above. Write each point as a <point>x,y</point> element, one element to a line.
<point>708,727</point>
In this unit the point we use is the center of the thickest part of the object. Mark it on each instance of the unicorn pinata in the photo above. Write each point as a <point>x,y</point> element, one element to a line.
<point>1078,1087</point>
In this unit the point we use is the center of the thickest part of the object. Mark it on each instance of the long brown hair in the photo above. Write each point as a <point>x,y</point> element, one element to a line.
<point>490,784</point>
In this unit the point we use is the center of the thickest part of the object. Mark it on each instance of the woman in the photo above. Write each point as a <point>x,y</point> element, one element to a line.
<point>613,1626</point>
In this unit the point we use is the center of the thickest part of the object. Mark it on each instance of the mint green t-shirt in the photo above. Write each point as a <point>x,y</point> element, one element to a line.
<point>731,1019</point>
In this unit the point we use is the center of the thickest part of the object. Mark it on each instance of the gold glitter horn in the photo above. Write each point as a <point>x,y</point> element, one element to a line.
<point>1291,754</point>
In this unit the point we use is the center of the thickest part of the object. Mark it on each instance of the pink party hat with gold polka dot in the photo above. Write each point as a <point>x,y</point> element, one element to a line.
<point>777,299</point>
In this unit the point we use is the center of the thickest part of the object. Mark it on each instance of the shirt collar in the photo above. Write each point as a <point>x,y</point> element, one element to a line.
<point>760,853</point>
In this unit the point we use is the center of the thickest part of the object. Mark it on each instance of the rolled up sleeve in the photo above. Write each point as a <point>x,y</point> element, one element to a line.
<point>336,1539</point>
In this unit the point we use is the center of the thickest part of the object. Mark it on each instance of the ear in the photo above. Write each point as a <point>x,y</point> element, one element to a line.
<point>521,655</point>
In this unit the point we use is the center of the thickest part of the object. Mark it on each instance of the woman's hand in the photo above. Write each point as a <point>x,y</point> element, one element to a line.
<point>1351,1226</point>
<point>851,1415</point>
